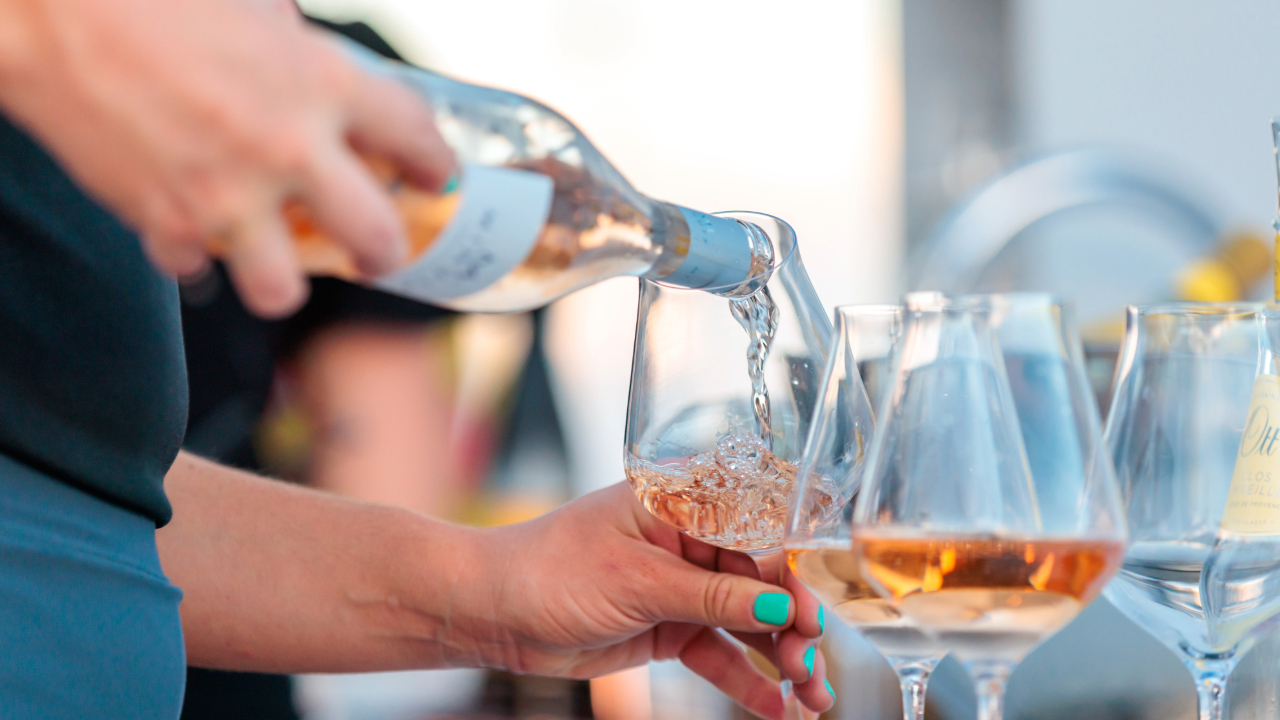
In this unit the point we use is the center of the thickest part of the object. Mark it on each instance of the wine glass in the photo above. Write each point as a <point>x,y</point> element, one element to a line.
<point>722,390</point>
<point>986,547</point>
<point>1181,405</point>
<point>819,541</point>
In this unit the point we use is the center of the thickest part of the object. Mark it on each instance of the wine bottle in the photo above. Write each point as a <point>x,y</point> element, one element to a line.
<point>1240,582</point>
<point>534,213</point>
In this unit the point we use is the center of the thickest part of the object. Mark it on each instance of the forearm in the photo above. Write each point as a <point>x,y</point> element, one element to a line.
<point>280,578</point>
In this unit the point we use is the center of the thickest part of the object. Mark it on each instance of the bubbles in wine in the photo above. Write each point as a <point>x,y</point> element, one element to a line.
<point>734,496</point>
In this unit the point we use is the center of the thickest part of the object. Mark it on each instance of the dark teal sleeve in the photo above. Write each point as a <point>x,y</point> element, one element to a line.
<point>93,388</point>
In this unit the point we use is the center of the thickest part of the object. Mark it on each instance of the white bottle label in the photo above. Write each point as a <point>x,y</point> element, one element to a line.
<point>1253,502</point>
<point>498,220</point>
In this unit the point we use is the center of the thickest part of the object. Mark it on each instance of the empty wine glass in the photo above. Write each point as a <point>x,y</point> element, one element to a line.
<point>819,542</point>
<point>984,549</point>
<point>1181,405</point>
<point>722,390</point>
<point>1240,584</point>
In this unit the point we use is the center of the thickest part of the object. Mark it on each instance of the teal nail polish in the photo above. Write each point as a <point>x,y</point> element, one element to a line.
<point>828,684</point>
<point>822,620</point>
<point>451,185</point>
<point>809,656</point>
<point>772,608</point>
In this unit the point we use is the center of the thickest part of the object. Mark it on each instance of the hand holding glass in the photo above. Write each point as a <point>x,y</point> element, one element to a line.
<point>722,390</point>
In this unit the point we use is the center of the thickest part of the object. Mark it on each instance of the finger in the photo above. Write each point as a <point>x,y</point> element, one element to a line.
<point>653,530</point>
<point>264,269</point>
<point>796,655</point>
<point>811,619</point>
<point>355,210</point>
<point>390,119</point>
<point>685,593</point>
<point>816,693</point>
<point>698,552</point>
<point>789,651</point>
<point>738,563</point>
<point>285,9</point>
<point>760,642</point>
<point>175,258</point>
<point>669,639</point>
<point>720,663</point>
<point>769,568</point>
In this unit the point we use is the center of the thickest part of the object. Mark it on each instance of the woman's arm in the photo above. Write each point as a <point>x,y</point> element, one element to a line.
<point>280,578</point>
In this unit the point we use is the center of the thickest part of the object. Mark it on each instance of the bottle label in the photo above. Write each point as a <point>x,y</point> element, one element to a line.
<point>498,220</point>
<point>1253,501</point>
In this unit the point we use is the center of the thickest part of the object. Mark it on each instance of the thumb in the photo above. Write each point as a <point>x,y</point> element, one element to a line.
<point>689,594</point>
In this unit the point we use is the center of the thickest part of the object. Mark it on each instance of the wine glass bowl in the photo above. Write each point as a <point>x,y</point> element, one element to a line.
<point>819,541</point>
<point>989,513</point>
<point>1180,407</point>
<point>722,389</point>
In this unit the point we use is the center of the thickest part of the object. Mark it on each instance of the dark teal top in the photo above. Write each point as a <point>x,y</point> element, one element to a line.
<point>93,386</point>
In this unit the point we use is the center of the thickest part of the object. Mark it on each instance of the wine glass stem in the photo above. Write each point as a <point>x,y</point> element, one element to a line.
<point>1211,694</point>
<point>913,678</point>
<point>1211,686</point>
<point>989,682</point>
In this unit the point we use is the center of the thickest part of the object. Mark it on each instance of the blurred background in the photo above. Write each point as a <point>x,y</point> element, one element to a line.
<point>1110,152</point>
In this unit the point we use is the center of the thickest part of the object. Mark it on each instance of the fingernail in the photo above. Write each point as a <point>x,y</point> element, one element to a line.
<point>451,184</point>
<point>772,608</point>
<point>822,620</point>
<point>828,684</point>
<point>809,656</point>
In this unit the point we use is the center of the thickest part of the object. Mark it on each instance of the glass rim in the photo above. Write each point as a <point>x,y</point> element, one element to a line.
<point>1043,298</point>
<point>1245,307</point>
<point>869,309</point>
<point>984,301</point>
<point>778,262</point>
<point>967,300</point>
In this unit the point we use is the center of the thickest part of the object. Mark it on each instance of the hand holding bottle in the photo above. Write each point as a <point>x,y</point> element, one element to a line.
<point>195,122</point>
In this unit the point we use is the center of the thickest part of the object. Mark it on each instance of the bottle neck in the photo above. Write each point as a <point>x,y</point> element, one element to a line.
<point>702,251</point>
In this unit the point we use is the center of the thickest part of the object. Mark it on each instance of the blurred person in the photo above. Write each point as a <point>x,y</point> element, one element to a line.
<point>181,128</point>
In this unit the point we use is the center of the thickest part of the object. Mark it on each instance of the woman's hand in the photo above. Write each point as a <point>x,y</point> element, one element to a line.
<point>194,122</point>
<point>278,578</point>
<point>601,585</point>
